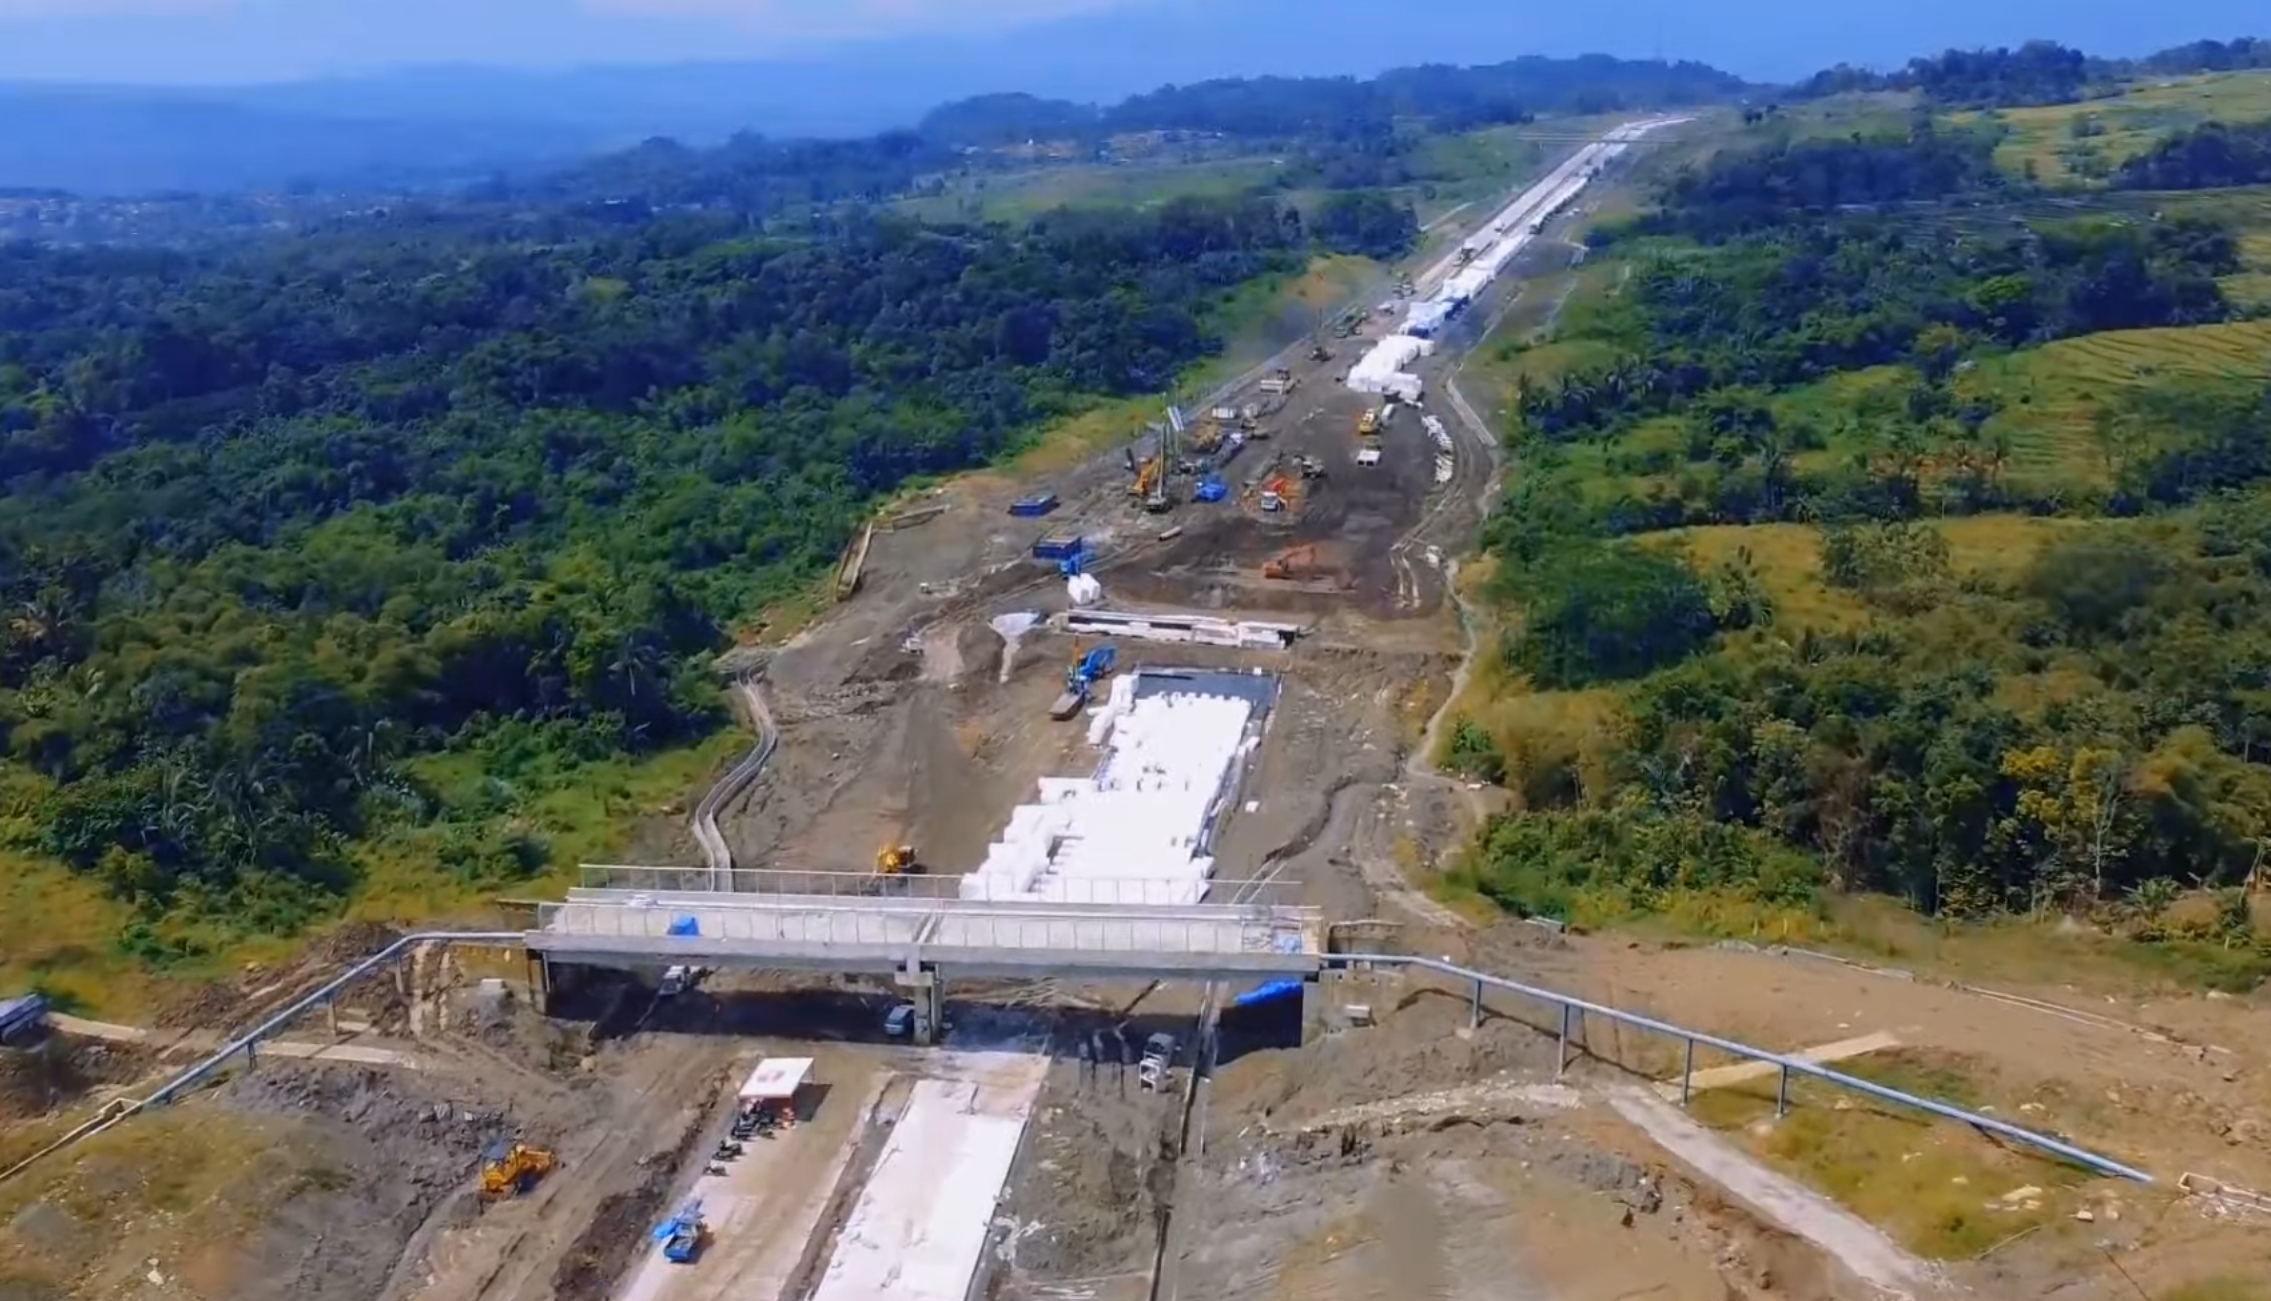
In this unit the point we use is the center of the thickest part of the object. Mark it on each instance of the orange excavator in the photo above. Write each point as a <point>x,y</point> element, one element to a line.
<point>1298,563</point>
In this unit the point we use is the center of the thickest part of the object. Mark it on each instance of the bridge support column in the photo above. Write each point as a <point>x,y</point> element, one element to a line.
<point>540,983</point>
<point>928,993</point>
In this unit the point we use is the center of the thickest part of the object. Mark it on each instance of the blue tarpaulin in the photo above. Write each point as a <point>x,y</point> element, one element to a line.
<point>1270,992</point>
<point>1211,489</point>
<point>685,925</point>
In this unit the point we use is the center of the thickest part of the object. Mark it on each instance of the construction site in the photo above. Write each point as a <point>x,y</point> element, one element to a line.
<point>1186,688</point>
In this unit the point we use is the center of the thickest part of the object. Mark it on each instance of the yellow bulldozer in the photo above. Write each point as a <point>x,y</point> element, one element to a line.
<point>897,860</point>
<point>510,1171</point>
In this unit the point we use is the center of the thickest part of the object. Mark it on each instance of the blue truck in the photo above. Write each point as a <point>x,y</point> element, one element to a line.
<point>1081,678</point>
<point>1035,506</point>
<point>1059,547</point>
<point>682,1234</point>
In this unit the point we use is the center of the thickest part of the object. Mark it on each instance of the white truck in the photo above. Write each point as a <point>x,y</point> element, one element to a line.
<point>1158,1062</point>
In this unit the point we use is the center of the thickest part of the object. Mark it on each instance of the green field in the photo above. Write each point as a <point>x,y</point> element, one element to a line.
<point>1012,196</point>
<point>1470,167</point>
<point>2122,126</point>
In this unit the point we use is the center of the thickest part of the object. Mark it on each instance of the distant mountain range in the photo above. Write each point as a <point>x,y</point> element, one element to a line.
<point>443,126</point>
<point>438,124</point>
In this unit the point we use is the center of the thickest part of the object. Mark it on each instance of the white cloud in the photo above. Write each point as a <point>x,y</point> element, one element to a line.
<point>831,18</point>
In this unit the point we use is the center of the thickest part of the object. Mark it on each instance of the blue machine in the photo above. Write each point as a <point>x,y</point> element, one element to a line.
<point>681,1234</point>
<point>1082,677</point>
<point>1268,993</point>
<point>1095,664</point>
<point>22,1018</point>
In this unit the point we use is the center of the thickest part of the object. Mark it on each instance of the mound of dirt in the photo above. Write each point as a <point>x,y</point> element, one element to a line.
<point>589,1269</point>
<point>1420,1045</point>
<point>387,1152</point>
<point>59,1070</point>
<point>201,1007</point>
<point>1096,1179</point>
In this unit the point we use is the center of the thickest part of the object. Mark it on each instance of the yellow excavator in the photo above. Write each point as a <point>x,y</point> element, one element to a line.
<point>508,1171</point>
<point>1147,477</point>
<point>897,860</point>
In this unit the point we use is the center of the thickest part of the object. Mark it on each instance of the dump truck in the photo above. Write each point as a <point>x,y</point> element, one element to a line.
<point>508,1171</point>
<point>1080,681</point>
<point>1368,424</point>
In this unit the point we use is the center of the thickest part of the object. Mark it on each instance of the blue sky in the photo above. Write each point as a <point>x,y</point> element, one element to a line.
<point>226,41</point>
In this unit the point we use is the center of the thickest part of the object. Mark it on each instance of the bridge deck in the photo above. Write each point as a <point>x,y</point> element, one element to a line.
<point>970,937</point>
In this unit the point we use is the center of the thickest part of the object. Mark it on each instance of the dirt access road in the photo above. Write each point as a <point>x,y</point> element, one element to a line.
<point>904,717</point>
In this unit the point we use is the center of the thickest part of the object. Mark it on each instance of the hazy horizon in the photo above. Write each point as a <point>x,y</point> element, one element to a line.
<point>235,43</point>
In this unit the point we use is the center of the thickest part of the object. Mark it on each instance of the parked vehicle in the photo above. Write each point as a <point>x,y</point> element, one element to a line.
<point>1158,1062</point>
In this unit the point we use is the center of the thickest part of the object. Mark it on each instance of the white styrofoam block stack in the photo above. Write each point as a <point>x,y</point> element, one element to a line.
<point>1133,834</point>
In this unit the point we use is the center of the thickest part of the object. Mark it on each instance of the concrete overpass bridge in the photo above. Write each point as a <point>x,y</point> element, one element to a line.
<point>921,933</point>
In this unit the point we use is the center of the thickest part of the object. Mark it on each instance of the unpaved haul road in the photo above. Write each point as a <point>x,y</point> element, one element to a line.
<point>201,1042</point>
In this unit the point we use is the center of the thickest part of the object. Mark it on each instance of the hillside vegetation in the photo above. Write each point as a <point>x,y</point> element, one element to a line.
<point>311,546</point>
<point>1850,552</point>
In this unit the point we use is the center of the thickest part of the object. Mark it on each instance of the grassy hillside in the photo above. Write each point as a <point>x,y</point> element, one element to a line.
<point>2084,142</point>
<point>1016,195</point>
<point>1857,555</point>
<point>1434,173</point>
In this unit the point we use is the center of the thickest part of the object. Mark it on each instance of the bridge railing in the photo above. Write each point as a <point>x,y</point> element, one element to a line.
<point>1071,891</point>
<point>1230,931</point>
<point>1570,1011</point>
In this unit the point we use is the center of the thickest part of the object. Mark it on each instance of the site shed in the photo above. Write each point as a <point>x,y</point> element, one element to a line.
<point>1059,546</point>
<point>775,1083</point>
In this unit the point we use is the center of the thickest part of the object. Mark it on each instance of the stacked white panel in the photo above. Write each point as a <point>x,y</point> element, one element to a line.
<point>1135,834</point>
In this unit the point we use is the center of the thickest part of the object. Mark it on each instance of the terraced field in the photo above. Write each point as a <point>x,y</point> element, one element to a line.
<point>2124,125</point>
<point>2050,396</point>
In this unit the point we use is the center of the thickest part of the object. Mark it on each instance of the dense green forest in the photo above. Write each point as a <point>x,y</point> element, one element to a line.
<point>2079,720</point>
<point>2208,156</point>
<point>1278,108</point>
<point>281,518</point>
